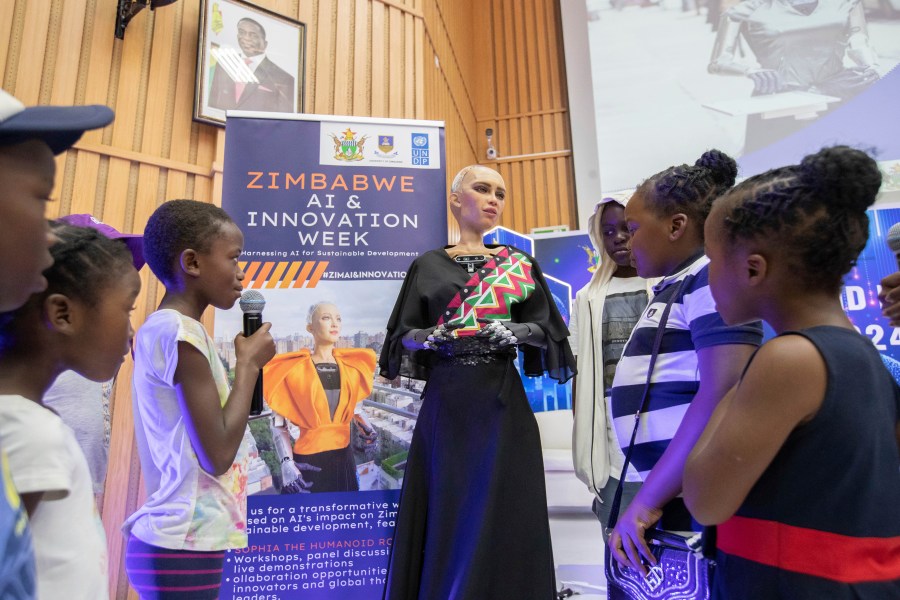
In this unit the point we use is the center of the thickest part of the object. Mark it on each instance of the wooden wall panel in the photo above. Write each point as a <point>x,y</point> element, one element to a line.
<point>36,18</point>
<point>361,95</point>
<point>524,101</point>
<point>449,77</point>
<point>380,77</point>
<point>7,20</point>
<point>470,63</point>
<point>500,66</point>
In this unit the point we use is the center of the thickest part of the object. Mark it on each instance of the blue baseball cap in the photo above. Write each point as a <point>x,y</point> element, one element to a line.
<point>59,126</point>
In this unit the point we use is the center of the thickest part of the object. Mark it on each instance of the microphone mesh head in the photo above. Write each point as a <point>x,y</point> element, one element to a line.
<point>252,301</point>
<point>893,238</point>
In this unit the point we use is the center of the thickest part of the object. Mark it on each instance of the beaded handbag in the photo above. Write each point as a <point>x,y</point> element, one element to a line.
<point>678,575</point>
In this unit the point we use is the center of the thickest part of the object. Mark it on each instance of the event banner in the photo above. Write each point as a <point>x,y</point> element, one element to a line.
<point>333,211</point>
<point>861,285</point>
<point>545,393</point>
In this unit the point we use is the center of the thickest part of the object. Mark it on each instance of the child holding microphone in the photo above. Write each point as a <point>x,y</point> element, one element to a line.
<point>189,425</point>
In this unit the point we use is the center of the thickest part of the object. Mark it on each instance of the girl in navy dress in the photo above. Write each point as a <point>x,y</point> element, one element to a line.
<point>799,465</point>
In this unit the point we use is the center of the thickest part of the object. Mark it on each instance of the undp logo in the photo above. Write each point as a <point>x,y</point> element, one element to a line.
<point>420,152</point>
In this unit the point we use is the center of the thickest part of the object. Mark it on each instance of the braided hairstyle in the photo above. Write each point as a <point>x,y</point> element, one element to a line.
<point>815,210</point>
<point>85,264</point>
<point>690,189</point>
<point>174,227</point>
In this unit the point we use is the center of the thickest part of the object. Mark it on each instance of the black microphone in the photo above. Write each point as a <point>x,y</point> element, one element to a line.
<point>893,241</point>
<point>252,304</point>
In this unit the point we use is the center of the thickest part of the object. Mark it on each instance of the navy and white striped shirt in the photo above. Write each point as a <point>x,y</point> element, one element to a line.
<point>693,324</point>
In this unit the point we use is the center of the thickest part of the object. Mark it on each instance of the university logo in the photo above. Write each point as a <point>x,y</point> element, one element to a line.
<point>348,148</point>
<point>385,145</point>
<point>420,152</point>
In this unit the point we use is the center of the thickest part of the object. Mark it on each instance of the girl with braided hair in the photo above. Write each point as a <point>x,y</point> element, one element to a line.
<point>81,321</point>
<point>699,356</point>
<point>802,480</point>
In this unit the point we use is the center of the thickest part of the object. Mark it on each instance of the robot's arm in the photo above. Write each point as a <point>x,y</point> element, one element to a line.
<point>291,471</point>
<point>367,432</point>
<point>284,448</point>
<point>722,61</point>
<point>858,48</point>
<point>363,421</point>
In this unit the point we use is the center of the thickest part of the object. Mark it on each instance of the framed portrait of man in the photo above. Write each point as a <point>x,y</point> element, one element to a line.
<point>249,58</point>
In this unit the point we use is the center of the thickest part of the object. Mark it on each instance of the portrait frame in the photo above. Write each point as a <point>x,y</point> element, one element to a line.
<point>266,74</point>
